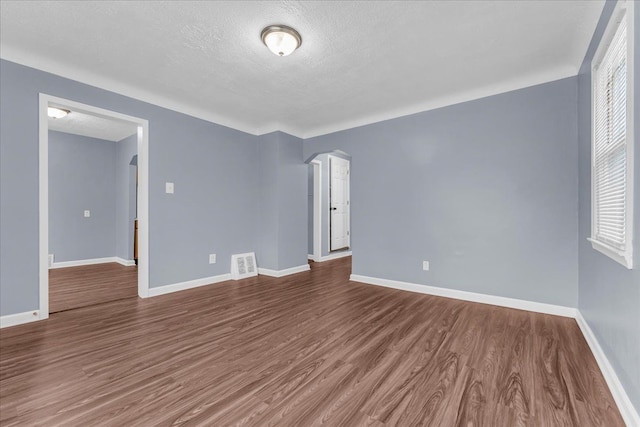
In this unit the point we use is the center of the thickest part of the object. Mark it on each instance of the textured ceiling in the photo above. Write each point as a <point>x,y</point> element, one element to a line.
<point>359,62</point>
<point>83,124</point>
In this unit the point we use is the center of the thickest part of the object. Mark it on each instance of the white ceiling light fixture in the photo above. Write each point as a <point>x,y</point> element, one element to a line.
<point>57,113</point>
<point>281,40</point>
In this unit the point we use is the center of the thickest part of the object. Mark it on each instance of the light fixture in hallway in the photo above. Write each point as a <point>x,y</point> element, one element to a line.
<point>56,113</point>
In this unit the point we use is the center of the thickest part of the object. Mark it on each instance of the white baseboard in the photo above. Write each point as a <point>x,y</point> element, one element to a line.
<point>538,307</point>
<point>311,257</point>
<point>334,255</point>
<point>626,408</point>
<point>80,262</point>
<point>181,286</point>
<point>125,262</point>
<point>19,318</point>
<point>285,272</point>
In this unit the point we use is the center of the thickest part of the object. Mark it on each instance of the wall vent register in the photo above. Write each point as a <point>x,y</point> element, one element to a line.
<point>243,265</point>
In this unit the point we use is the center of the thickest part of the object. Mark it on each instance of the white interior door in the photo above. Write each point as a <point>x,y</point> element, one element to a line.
<point>339,204</point>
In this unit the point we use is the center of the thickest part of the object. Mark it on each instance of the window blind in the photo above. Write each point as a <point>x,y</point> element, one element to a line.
<point>610,139</point>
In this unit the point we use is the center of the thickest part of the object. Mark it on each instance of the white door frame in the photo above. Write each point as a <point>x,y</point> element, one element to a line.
<point>317,209</point>
<point>43,180</point>
<point>348,247</point>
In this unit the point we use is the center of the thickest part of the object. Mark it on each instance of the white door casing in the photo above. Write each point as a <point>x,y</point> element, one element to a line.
<point>317,209</point>
<point>339,204</point>
<point>142,197</point>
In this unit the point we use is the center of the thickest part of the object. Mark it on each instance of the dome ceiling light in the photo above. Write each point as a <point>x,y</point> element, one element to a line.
<point>56,113</point>
<point>280,39</point>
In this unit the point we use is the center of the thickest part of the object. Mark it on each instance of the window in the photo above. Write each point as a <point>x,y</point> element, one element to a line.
<point>612,139</point>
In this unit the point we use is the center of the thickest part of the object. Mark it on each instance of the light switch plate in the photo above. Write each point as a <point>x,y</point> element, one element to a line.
<point>168,187</point>
<point>87,214</point>
<point>425,265</point>
<point>212,258</point>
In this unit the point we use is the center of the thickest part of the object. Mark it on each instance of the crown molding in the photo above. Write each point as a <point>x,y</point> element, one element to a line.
<point>276,127</point>
<point>15,55</point>
<point>18,56</point>
<point>448,100</point>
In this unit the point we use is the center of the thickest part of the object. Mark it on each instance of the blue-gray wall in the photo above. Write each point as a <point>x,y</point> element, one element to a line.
<point>283,202</point>
<point>214,208</point>
<point>485,190</point>
<point>268,148</point>
<point>82,174</point>
<point>125,203</point>
<point>292,186</point>
<point>609,294</point>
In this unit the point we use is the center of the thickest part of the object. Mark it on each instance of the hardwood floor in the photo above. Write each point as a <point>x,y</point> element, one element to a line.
<point>75,287</point>
<point>307,349</point>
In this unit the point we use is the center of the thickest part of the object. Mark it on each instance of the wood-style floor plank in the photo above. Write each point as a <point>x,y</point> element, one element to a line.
<point>75,287</point>
<point>308,349</point>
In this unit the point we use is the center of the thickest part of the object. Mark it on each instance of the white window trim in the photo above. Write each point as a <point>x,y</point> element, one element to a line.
<point>623,10</point>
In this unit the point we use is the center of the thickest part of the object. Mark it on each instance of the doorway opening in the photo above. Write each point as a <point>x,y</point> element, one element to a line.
<point>329,187</point>
<point>75,219</point>
<point>339,204</point>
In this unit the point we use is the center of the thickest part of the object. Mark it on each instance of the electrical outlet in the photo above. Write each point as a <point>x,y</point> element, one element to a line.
<point>212,258</point>
<point>168,187</point>
<point>425,265</point>
<point>87,214</point>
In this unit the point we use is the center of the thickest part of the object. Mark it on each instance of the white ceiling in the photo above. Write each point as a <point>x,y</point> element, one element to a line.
<point>360,61</point>
<point>92,126</point>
